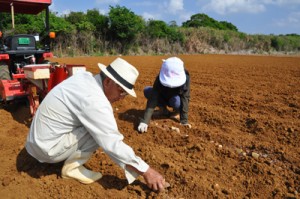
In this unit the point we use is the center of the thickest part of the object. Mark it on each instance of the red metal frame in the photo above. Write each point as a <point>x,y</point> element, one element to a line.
<point>45,56</point>
<point>11,89</point>
<point>24,6</point>
<point>21,86</point>
<point>4,57</point>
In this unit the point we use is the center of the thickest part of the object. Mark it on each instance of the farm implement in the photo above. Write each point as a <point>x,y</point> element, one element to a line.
<point>25,72</point>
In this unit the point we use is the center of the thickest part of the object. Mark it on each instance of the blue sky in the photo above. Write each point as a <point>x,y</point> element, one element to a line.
<point>249,16</point>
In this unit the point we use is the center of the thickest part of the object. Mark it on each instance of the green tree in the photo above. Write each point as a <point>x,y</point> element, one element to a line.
<point>80,20</point>
<point>23,23</point>
<point>60,25</point>
<point>124,24</point>
<point>224,25</point>
<point>5,21</point>
<point>173,24</point>
<point>159,29</point>
<point>99,21</point>
<point>202,20</point>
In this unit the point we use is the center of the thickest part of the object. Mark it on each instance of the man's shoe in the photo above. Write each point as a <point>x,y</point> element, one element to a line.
<point>73,168</point>
<point>81,174</point>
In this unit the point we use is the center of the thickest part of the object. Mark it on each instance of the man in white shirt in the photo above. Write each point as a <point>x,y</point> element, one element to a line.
<point>76,117</point>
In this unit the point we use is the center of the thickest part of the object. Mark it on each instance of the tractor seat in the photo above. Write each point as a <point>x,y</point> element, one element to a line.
<point>20,42</point>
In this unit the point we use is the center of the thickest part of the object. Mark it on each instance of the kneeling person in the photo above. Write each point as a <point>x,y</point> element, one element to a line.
<point>76,118</point>
<point>171,88</point>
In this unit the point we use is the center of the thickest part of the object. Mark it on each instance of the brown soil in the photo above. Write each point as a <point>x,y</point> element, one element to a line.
<point>244,141</point>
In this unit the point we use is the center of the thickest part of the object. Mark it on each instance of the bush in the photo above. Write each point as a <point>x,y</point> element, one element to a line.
<point>124,24</point>
<point>159,29</point>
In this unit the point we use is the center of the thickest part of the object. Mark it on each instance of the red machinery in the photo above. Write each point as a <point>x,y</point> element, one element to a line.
<point>25,71</point>
<point>24,6</point>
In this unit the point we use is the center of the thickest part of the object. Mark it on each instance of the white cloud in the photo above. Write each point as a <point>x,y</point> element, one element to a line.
<point>184,17</point>
<point>174,6</point>
<point>148,16</point>
<point>144,3</point>
<point>107,1</point>
<point>293,20</point>
<point>235,6</point>
<point>66,12</point>
<point>281,2</point>
<point>52,6</point>
<point>104,12</point>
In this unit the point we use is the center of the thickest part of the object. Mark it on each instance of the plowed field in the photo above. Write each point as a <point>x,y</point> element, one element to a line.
<point>244,141</point>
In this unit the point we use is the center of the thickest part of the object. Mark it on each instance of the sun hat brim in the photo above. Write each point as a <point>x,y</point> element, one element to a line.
<point>172,82</point>
<point>102,67</point>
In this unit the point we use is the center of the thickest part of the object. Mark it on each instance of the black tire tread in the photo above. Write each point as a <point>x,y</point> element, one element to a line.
<point>4,71</point>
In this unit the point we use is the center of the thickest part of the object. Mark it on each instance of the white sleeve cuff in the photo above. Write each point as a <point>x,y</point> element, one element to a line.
<point>132,175</point>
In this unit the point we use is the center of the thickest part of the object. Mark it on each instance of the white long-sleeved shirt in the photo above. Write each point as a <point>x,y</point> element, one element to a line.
<point>79,101</point>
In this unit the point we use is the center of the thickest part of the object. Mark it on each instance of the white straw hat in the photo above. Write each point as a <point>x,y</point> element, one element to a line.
<point>172,73</point>
<point>123,73</point>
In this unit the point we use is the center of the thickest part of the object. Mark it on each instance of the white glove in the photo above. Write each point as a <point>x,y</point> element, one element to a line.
<point>143,127</point>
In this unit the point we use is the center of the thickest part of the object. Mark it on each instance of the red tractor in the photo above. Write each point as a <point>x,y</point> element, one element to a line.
<point>25,71</point>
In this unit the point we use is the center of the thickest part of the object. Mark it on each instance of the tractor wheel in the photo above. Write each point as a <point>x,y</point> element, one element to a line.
<point>4,71</point>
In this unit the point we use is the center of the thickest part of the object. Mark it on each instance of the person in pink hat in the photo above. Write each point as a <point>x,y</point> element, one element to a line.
<point>171,88</point>
<point>76,118</point>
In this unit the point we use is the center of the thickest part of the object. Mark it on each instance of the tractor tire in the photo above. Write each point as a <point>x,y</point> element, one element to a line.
<point>4,71</point>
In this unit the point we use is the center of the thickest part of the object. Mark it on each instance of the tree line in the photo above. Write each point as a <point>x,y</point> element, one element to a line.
<point>121,31</point>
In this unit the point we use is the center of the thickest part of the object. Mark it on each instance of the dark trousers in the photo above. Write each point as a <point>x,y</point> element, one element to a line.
<point>173,102</point>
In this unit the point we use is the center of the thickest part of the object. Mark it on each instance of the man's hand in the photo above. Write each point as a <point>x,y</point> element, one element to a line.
<point>142,127</point>
<point>154,180</point>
